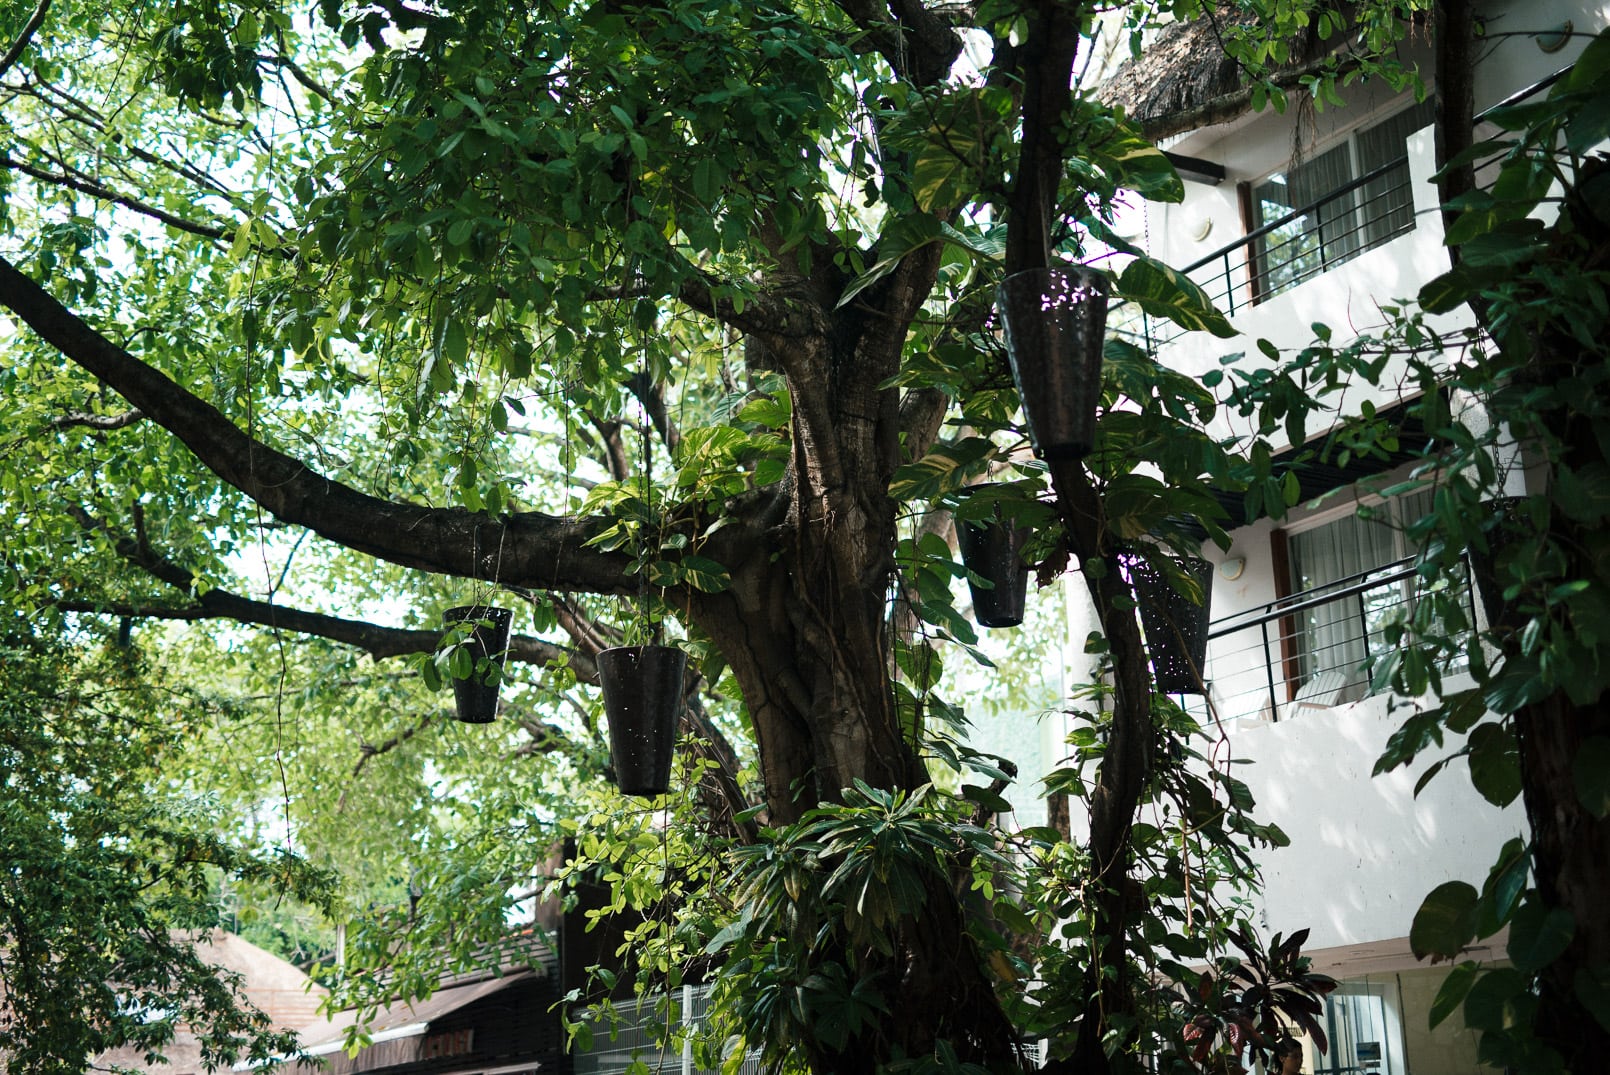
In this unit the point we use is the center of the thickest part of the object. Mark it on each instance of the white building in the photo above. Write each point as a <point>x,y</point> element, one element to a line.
<point>1280,242</point>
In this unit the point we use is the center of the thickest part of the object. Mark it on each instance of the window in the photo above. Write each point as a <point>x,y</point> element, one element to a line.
<point>1349,579</point>
<point>1320,220</point>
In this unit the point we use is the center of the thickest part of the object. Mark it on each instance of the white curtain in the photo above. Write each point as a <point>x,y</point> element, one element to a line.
<point>1335,635</point>
<point>1342,633</point>
<point>1387,203</point>
<point>1316,240</point>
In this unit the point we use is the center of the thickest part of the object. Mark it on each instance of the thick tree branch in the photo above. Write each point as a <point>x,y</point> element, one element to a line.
<point>525,549</point>
<point>922,415</point>
<point>377,641</point>
<point>767,314</point>
<point>1454,38</point>
<point>1046,56</point>
<point>14,53</point>
<point>918,43</point>
<point>105,193</point>
<point>98,422</point>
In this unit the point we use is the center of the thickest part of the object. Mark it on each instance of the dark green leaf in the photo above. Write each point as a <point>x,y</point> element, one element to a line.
<point>1590,772</point>
<point>1443,924</point>
<point>1592,987</point>
<point>1491,1002</point>
<point>1163,292</point>
<point>1454,989</point>
<point>1584,494</point>
<point>1495,768</point>
<point>1538,935</point>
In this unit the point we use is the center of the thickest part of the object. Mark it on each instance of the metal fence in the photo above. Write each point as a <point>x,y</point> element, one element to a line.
<point>636,1041</point>
<point>1368,212</point>
<point>1309,650</point>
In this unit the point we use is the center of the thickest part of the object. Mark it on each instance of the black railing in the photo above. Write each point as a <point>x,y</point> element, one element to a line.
<point>1290,249</point>
<point>1251,270</point>
<point>1309,649</point>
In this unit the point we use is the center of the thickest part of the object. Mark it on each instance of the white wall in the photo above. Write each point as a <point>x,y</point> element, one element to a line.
<point>1364,851</point>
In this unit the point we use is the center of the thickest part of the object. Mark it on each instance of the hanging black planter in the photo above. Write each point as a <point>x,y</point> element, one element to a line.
<point>1502,615</point>
<point>1056,322</point>
<point>476,698</point>
<point>991,549</point>
<point>642,701</point>
<point>1176,629</point>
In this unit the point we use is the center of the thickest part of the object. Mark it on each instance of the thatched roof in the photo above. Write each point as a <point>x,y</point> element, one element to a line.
<point>1183,79</point>
<point>1181,68</point>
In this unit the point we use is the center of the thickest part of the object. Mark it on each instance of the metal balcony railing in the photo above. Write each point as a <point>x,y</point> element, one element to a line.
<point>1366,213</point>
<point>1308,650</point>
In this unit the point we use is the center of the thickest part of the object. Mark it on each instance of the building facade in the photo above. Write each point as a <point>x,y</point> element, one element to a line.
<point>1288,220</point>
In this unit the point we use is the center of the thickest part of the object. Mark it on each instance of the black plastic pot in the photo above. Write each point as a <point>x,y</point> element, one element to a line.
<point>992,549</point>
<point>1056,321</point>
<point>476,698</point>
<point>1485,567</point>
<point>1176,628</point>
<point>642,701</point>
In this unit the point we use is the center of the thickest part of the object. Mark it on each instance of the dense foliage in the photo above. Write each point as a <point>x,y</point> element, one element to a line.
<point>109,873</point>
<point>657,321</point>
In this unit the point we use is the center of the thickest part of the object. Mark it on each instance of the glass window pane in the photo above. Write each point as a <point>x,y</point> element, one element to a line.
<point>1335,635</point>
<point>1318,237</point>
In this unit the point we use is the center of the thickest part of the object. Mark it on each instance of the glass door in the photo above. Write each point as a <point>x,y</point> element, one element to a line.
<point>1363,1022</point>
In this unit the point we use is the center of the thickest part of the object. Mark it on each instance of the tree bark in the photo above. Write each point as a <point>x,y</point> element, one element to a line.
<point>1571,866</point>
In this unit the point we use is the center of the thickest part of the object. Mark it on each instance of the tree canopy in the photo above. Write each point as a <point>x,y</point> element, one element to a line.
<point>659,321</point>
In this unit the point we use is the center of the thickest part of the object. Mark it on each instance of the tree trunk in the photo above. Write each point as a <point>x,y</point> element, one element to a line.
<point>1571,865</point>
<point>805,629</point>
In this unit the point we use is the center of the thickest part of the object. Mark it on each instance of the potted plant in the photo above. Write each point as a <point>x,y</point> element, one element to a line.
<point>643,704</point>
<point>481,633</point>
<point>991,551</point>
<point>1055,321</point>
<point>1175,622</point>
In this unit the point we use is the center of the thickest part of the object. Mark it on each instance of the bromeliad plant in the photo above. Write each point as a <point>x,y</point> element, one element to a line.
<point>1240,1009</point>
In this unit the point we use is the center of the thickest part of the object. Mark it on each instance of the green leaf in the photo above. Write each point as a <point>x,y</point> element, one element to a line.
<point>1136,163</point>
<point>949,164</point>
<point>1592,987</point>
<point>1504,248</point>
<point>704,574</point>
<point>1538,935</point>
<point>1163,292</point>
<point>942,470</point>
<point>906,234</point>
<point>1504,884</point>
<point>1584,494</point>
<point>1590,124</point>
<point>1443,924</point>
<point>1518,684</point>
<point>1590,772</point>
<point>1454,989</point>
<point>1490,1005</point>
<point>1495,767</point>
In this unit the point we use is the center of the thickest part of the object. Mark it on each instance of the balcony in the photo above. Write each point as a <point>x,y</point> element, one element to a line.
<point>1366,213</point>
<point>1306,652</point>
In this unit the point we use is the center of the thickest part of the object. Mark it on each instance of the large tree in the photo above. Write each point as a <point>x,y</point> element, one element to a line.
<point>683,304</point>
